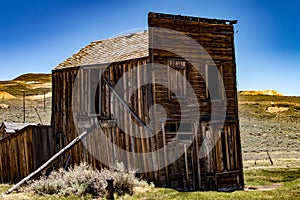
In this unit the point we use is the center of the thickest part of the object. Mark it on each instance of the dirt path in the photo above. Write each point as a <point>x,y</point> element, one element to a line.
<point>263,187</point>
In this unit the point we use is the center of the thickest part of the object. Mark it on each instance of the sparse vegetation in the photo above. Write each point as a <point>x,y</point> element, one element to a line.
<point>261,131</point>
<point>255,107</point>
<point>32,84</point>
<point>82,180</point>
<point>280,183</point>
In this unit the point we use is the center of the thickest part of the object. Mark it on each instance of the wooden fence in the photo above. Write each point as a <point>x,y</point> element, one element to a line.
<point>24,151</point>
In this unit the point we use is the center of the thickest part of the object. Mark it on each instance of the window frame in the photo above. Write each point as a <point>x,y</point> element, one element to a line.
<point>181,69</point>
<point>98,90</point>
<point>221,78</point>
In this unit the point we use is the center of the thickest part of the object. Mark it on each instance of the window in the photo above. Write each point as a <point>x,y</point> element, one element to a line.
<point>98,93</point>
<point>174,127</point>
<point>214,76</point>
<point>224,150</point>
<point>176,81</point>
<point>171,127</point>
<point>94,92</point>
<point>183,131</point>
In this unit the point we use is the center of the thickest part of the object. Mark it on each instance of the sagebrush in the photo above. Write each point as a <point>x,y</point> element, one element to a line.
<point>83,180</point>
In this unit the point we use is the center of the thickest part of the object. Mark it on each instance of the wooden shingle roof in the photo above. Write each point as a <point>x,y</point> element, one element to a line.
<point>108,51</point>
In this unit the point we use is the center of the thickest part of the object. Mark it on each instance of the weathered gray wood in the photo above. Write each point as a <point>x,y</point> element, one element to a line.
<point>195,130</point>
<point>186,165</point>
<point>165,153</point>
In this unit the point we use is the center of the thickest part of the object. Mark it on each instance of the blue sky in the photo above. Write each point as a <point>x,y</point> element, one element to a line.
<point>36,35</point>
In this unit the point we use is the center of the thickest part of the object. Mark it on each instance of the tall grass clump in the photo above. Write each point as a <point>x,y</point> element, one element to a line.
<point>83,180</point>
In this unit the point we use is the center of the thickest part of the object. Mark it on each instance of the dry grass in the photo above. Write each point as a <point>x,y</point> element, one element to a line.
<point>277,133</point>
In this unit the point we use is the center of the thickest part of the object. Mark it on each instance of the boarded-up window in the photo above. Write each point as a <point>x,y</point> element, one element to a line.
<point>177,81</point>
<point>214,87</point>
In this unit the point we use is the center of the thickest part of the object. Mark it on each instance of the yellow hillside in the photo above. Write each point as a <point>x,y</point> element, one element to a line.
<point>261,92</point>
<point>5,96</point>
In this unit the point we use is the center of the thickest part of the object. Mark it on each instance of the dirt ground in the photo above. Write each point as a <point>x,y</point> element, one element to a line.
<point>34,111</point>
<point>277,133</point>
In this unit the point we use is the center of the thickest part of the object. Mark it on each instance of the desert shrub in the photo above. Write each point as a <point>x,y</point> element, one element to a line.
<point>123,182</point>
<point>297,107</point>
<point>286,105</point>
<point>82,180</point>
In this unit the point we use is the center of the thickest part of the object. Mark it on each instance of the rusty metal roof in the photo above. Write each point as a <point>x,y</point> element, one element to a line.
<point>108,51</point>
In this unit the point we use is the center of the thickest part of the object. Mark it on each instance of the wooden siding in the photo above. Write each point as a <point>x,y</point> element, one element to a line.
<point>23,152</point>
<point>222,163</point>
<point>64,128</point>
<point>217,41</point>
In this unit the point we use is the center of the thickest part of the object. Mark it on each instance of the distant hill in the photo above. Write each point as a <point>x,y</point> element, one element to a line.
<point>269,107</point>
<point>32,84</point>
<point>30,77</point>
<point>5,96</point>
<point>261,92</point>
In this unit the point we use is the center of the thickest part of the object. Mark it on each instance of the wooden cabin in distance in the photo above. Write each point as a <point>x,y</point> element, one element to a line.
<point>8,128</point>
<point>109,60</point>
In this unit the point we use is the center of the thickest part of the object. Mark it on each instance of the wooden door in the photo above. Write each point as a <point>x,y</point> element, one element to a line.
<point>184,173</point>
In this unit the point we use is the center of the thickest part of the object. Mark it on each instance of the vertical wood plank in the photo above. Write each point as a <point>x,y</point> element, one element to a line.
<point>165,153</point>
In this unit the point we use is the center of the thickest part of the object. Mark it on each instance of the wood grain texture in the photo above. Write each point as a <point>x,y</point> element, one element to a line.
<point>190,171</point>
<point>24,151</point>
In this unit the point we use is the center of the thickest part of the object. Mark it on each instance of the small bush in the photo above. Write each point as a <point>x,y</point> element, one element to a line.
<point>297,107</point>
<point>286,105</point>
<point>83,180</point>
<point>123,182</point>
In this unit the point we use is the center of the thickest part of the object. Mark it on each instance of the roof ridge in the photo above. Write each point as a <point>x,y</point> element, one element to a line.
<point>119,36</point>
<point>120,48</point>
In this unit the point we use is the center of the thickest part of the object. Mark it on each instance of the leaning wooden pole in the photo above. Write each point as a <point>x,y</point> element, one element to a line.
<point>53,158</point>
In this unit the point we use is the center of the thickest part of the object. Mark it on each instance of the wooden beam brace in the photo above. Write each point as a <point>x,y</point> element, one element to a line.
<point>126,105</point>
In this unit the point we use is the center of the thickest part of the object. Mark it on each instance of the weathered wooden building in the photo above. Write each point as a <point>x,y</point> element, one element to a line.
<point>8,128</point>
<point>212,160</point>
